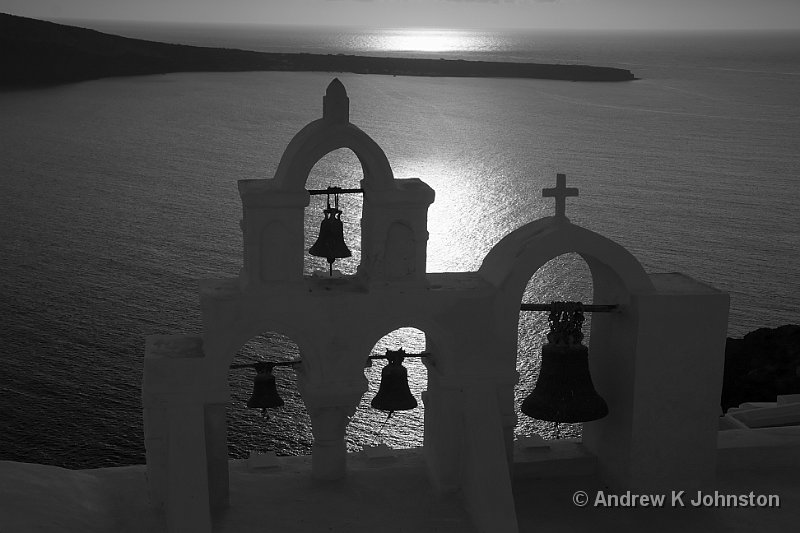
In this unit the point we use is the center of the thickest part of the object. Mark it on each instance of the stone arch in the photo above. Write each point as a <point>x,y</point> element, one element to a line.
<point>615,276</point>
<point>339,168</point>
<point>418,372</point>
<point>248,434</point>
<point>229,338</point>
<point>439,338</point>
<point>554,280</point>
<point>294,338</point>
<point>331,132</point>
<point>514,260</point>
<point>435,337</point>
<point>321,137</point>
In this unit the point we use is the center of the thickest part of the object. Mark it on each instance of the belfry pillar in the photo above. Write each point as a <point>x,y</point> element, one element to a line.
<point>330,409</point>
<point>272,231</point>
<point>178,403</point>
<point>394,225</point>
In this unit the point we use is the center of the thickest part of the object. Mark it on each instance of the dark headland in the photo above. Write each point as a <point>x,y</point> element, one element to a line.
<point>35,52</point>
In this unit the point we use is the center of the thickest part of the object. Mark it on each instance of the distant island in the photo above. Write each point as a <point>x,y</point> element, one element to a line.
<point>36,52</point>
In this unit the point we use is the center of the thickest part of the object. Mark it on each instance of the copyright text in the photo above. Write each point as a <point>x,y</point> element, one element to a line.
<point>676,498</point>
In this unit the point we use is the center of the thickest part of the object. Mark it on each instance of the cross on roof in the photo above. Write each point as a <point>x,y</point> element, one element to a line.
<point>560,193</point>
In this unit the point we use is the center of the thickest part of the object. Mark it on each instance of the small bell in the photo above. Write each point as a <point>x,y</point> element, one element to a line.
<point>330,242</point>
<point>265,391</point>
<point>564,391</point>
<point>394,393</point>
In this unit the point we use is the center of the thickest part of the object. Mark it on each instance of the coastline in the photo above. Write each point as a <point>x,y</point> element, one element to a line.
<point>40,53</point>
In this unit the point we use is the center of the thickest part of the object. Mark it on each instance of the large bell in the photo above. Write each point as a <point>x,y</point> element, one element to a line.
<point>265,392</point>
<point>330,242</point>
<point>393,393</point>
<point>564,391</point>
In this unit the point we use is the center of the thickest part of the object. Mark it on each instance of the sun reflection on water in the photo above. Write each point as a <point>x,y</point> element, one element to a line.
<point>425,40</point>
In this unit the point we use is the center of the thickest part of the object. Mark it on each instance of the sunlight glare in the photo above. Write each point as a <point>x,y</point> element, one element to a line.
<point>425,40</point>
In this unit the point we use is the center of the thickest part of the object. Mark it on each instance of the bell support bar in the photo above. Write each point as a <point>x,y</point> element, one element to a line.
<point>587,308</point>
<point>390,354</point>
<point>266,363</point>
<point>394,354</point>
<point>334,190</point>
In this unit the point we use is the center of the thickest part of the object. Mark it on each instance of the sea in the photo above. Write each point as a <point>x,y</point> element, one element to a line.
<point>118,195</point>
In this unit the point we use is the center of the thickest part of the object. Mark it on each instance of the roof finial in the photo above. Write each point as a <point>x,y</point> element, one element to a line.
<point>560,193</point>
<point>335,103</point>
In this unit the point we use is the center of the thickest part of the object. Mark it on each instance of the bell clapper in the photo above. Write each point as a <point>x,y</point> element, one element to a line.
<point>378,439</point>
<point>379,449</point>
<point>380,430</point>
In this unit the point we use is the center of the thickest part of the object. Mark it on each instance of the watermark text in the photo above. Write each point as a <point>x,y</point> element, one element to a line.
<point>675,498</point>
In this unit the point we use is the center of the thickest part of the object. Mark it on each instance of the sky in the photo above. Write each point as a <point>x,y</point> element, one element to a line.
<point>480,14</point>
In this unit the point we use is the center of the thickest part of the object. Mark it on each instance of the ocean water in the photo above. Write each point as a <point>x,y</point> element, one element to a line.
<point>117,195</point>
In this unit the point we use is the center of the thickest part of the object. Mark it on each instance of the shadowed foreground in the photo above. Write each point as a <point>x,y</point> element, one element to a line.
<point>389,495</point>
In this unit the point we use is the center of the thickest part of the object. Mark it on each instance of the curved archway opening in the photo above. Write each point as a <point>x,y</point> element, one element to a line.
<point>564,278</point>
<point>405,429</point>
<point>285,430</point>
<point>339,168</point>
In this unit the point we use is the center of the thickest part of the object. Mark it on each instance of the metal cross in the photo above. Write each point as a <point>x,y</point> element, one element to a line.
<point>560,193</point>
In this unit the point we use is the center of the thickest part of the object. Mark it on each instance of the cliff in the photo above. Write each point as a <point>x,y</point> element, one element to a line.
<point>762,365</point>
<point>36,52</point>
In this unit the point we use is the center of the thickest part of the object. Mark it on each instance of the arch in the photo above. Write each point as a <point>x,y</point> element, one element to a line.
<point>319,138</point>
<point>346,166</point>
<point>514,260</point>
<point>405,427</point>
<point>341,168</point>
<point>532,329</point>
<point>383,325</point>
<point>269,338</point>
<point>230,337</point>
<point>247,432</point>
<point>267,323</point>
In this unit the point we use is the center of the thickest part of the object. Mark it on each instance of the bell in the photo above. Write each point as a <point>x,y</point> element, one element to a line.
<point>330,242</point>
<point>564,391</point>
<point>265,392</point>
<point>393,393</point>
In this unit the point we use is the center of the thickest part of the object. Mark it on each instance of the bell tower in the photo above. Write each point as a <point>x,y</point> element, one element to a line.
<point>657,360</point>
<point>394,233</point>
